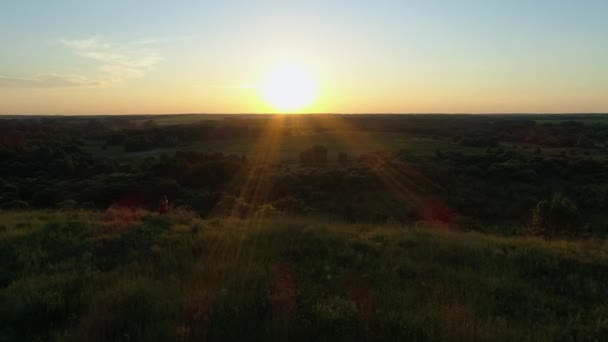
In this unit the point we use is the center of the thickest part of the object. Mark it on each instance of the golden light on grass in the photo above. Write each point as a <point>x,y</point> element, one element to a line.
<point>289,88</point>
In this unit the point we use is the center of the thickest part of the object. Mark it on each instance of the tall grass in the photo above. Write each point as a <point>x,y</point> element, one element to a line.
<point>82,276</point>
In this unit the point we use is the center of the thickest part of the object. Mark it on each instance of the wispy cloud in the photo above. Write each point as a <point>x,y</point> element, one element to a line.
<point>117,63</point>
<point>47,81</point>
<point>146,42</point>
<point>119,73</point>
<point>83,44</point>
<point>114,64</point>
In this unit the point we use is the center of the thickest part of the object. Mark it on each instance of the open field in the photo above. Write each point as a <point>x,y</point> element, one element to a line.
<point>289,148</point>
<point>355,135</point>
<point>126,275</point>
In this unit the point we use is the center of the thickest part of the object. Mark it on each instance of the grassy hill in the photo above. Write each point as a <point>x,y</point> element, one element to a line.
<point>126,275</point>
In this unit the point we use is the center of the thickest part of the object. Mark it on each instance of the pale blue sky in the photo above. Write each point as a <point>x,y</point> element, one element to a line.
<point>133,56</point>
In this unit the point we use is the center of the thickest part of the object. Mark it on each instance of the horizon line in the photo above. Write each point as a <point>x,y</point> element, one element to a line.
<point>313,113</point>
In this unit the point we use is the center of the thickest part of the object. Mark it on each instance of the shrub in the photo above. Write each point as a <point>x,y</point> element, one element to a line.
<point>556,217</point>
<point>182,215</point>
<point>290,205</point>
<point>232,206</point>
<point>267,210</point>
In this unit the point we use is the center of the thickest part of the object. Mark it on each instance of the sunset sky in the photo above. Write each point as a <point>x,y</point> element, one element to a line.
<point>128,56</point>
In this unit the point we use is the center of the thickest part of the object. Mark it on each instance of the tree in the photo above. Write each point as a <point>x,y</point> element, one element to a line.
<point>556,217</point>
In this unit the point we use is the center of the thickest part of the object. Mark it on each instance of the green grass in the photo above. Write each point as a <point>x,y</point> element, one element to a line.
<point>137,276</point>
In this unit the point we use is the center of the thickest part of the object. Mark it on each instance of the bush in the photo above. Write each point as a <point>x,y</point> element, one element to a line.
<point>232,206</point>
<point>556,217</point>
<point>290,205</point>
<point>183,215</point>
<point>267,211</point>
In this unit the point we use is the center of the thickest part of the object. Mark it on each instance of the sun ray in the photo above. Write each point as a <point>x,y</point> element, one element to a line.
<point>406,183</point>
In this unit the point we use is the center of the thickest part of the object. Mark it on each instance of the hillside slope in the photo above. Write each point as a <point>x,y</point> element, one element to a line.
<point>137,276</point>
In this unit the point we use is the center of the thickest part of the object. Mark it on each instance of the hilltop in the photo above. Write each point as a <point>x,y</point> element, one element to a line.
<point>125,275</point>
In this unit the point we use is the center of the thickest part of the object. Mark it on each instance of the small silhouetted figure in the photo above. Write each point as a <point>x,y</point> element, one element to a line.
<point>163,205</point>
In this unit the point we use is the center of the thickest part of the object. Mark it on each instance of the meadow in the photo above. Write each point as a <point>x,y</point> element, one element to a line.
<point>417,135</point>
<point>291,146</point>
<point>132,275</point>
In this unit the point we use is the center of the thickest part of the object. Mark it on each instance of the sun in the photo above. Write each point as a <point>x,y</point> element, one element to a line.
<point>289,88</point>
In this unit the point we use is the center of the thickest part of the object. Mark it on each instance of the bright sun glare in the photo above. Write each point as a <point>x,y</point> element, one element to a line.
<point>289,88</point>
